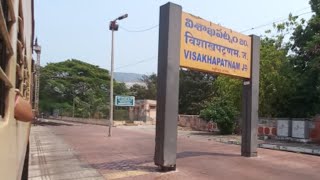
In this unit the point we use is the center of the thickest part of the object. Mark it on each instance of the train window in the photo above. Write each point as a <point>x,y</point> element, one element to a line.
<point>18,70</point>
<point>3,64</point>
<point>3,90</point>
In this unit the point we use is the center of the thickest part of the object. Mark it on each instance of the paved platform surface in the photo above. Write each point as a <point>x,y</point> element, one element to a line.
<point>51,158</point>
<point>129,155</point>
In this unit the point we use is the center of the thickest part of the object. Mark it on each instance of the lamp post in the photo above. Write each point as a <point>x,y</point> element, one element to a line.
<point>113,27</point>
<point>37,49</point>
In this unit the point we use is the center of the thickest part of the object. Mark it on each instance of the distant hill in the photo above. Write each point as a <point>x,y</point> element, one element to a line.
<point>127,77</point>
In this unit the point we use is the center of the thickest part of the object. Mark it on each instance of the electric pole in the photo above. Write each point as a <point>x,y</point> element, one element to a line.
<point>113,27</point>
<point>37,49</point>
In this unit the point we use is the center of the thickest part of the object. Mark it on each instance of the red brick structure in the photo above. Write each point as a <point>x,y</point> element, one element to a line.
<point>315,132</point>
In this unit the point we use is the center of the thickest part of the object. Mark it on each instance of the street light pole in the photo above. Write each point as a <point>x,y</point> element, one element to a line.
<point>111,86</point>
<point>113,27</point>
<point>37,49</point>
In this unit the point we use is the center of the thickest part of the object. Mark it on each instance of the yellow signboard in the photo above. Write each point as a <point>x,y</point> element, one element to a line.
<point>206,46</point>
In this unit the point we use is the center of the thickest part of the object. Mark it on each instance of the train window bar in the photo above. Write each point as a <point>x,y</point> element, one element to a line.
<point>21,9</point>
<point>11,11</point>
<point>4,31</point>
<point>20,52</point>
<point>21,32</point>
<point>19,71</point>
<point>5,78</point>
<point>26,74</point>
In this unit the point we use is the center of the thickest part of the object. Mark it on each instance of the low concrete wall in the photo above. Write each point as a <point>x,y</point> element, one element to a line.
<point>190,121</point>
<point>268,127</point>
<point>104,122</point>
<point>196,123</point>
<point>144,123</point>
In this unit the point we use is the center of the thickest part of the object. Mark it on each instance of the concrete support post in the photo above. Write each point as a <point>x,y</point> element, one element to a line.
<point>250,104</point>
<point>168,86</point>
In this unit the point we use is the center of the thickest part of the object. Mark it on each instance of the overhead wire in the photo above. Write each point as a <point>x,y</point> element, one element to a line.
<point>302,9</point>
<point>270,23</point>
<point>141,30</point>
<point>138,62</point>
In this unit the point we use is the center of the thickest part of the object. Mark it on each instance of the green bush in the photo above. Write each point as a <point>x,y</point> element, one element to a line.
<point>120,114</point>
<point>223,112</point>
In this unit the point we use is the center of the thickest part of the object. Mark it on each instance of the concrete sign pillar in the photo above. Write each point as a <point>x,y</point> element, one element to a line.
<point>168,86</point>
<point>250,104</point>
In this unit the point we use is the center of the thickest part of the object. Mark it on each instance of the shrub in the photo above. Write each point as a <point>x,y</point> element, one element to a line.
<point>223,112</point>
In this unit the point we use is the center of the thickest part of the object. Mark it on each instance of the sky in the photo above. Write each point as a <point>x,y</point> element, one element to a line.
<point>79,29</point>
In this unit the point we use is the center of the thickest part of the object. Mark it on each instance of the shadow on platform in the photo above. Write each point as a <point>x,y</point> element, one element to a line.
<point>146,164</point>
<point>50,123</point>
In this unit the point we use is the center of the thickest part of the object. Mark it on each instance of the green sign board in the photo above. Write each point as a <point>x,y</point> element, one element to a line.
<point>124,101</point>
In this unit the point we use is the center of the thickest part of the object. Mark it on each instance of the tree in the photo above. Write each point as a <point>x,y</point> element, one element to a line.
<point>195,90</point>
<point>120,89</point>
<point>223,112</point>
<point>224,107</point>
<point>229,88</point>
<point>138,91</point>
<point>73,83</point>
<point>277,80</point>
<point>306,63</point>
<point>149,91</point>
<point>151,83</point>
